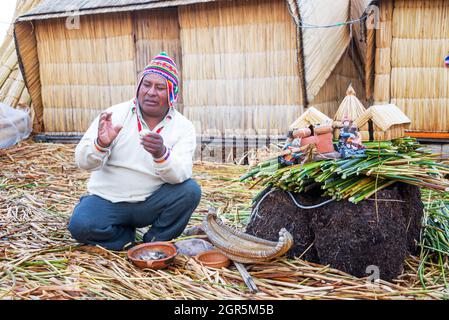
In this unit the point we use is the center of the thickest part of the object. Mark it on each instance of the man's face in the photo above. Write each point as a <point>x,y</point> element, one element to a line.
<point>153,97</point>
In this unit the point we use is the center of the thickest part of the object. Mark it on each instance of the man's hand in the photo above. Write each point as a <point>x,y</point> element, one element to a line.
<point>106,131</point>
<point>154,144</point>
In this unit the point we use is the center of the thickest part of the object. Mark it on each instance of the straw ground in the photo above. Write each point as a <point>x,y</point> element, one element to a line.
<point>40,185</point>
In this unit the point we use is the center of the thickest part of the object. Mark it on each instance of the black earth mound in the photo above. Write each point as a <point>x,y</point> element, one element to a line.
<point>349,237</point>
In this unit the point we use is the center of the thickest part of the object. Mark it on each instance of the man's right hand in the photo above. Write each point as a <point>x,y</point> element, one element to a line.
<point>106,131</point>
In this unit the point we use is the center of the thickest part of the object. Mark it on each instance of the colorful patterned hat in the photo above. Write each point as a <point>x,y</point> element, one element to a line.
<point>164,66</point>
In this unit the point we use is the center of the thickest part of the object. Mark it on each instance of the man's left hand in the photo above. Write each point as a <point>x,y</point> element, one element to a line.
<point>154,144</point>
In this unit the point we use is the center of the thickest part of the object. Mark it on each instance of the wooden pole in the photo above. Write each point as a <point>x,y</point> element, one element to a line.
<point>246,277</point>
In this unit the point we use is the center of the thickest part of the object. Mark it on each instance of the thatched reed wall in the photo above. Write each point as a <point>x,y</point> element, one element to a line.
<point>369,63</point>
<point>420,82</point>
<point>74,74</point>
<point>84,70</point>
<point>382,81</point>
<point>240,66</point>
<point>410,48</point>
<point>365,36</point>
<point>155,31</point>
<point>12,85</point>
<point>246,66</point>
<point>29,61</point>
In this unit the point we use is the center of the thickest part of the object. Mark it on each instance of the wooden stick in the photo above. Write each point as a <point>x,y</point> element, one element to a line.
<point>246,277</point>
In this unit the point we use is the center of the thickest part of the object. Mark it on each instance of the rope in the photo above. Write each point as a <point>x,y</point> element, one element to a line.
<point>306,25</point>
<point>309,207</point>
<point>256,208</point>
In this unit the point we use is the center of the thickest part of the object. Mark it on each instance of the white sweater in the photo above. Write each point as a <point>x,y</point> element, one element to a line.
<point>127,172</point>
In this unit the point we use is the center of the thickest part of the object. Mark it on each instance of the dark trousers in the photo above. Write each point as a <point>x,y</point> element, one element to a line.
<point>97,221</point>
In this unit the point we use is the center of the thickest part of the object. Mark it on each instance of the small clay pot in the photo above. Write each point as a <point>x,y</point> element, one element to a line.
<point>325,143</point>
<point>213,259</point>
<point>308,140</point>
<point>166,247</point>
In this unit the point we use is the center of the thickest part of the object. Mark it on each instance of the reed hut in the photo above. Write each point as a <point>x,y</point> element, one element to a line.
<point>382,122</point>
<point>407,69</point>
<point>350,108</point>
<point>247,67</point>
<point>12,86</point>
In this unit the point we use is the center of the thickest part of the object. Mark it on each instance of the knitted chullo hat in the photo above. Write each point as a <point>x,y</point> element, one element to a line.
<point>164,66</point>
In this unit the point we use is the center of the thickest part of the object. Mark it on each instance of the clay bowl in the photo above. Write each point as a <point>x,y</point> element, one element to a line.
<point>166,247</point>
<point>213,259</point>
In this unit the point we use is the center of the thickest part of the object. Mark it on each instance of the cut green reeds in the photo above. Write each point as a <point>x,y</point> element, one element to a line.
<point>434,240</point>
<point>358,178</point>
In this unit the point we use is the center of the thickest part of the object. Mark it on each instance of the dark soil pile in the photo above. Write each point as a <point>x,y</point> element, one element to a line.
<point>349,237</point>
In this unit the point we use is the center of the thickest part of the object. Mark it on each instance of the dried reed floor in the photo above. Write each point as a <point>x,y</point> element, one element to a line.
<point>40,185</point>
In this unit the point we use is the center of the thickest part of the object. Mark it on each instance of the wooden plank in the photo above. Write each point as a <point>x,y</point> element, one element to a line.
<point>246,277</point>
<point>428,135</point>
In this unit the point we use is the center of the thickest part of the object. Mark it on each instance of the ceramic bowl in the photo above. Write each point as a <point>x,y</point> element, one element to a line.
<point>166,247</point>
<point>213,259</point>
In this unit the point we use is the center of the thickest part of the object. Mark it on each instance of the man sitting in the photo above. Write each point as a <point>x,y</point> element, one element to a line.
<point>140,154</point>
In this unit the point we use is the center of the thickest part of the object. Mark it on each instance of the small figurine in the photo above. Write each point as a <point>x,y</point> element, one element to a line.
<point>324,135</point>
<point>357,140</point>
<point>347,123</point>
<point>350,141</point>
<point>292,143</point>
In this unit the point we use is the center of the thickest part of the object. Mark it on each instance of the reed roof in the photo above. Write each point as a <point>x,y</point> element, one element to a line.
<point>384,116</point>
<point>351,107</point>
<point>311,116</point>
<point>12,85</point>
<point>64,8</point>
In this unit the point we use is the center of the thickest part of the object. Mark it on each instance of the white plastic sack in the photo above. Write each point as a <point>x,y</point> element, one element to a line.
<point>193,247</point>
<point>15,125</point>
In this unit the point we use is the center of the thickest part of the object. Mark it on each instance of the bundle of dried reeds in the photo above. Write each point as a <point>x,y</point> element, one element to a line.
<point>351,108</point>
<point>12,85</point>
<point>426,114</point>
<point>423,18</point>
